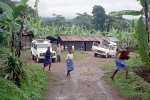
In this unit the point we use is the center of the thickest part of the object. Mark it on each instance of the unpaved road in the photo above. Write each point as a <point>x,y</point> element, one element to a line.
<point>86,81</point>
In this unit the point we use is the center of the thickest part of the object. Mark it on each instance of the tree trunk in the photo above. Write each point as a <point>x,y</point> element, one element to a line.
<point>147,20</point>
<point>20,37</point>
<point>13,42</point>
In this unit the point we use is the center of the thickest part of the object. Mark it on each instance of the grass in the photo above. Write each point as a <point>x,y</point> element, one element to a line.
<point>77,55</point>
<point>33,86</point>
<point>135,88</point>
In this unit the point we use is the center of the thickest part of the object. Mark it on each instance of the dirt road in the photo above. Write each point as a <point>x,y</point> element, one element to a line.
<point>86,82</point>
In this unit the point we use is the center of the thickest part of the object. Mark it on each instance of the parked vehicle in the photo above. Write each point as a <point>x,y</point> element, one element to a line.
<point>107,49</point>
<point>39,48</point>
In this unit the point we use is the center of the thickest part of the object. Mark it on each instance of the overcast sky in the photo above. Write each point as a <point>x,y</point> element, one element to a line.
<point>69,8</point>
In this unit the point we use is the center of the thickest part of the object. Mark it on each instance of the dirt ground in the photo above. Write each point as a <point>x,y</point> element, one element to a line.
<point>86,81</point>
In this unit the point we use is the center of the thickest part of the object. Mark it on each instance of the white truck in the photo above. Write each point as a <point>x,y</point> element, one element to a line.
<point>106,50</point>
<point>39,48</point>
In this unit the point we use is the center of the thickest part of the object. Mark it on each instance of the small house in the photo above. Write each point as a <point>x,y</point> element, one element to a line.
<point>26,39</point>
<point>79,42</point>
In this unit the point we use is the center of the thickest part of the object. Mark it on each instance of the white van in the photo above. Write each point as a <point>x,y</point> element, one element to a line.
<point>107,49</point>
<point>39,48</point>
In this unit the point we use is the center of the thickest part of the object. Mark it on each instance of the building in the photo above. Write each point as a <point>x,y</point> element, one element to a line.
<point>26,40</point>
<point>79,42</point>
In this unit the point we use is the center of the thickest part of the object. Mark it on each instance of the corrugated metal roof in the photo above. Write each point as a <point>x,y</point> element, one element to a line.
<point>80,38</point>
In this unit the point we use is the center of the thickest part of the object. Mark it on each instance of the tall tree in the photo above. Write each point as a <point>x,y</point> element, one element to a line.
<point>84,20</point>
<point>99,17</point>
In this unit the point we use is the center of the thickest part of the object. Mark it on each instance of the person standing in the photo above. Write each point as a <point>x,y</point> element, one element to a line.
<point>69,62</point>
<point>47,60</point>
<point>72,48</point>
<point>121,56</point>
<point>58,52</point>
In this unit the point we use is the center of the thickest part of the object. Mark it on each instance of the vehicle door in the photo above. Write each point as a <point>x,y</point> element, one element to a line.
<point>34,49</point>
<point>112,50</point>
<point>95,46</point>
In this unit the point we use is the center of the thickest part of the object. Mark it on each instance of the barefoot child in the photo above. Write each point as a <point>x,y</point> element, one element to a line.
<point>120,61</point>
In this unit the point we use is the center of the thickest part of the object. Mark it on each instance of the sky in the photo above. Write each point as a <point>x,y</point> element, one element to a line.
<point>69,8</point>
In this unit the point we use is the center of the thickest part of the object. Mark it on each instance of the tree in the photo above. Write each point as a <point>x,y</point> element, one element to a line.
<point>13,27</point>
<point>120,24</point>
<point>84,20</point>
<point>99,17</point>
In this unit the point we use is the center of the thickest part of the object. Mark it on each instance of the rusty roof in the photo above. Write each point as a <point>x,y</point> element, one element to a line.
<point>80,38</point>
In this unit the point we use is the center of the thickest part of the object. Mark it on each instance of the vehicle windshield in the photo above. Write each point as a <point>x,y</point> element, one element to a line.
<point>42,45</point>
<point>95,44</point>
<point>105,46</point>
<point>112,48</point>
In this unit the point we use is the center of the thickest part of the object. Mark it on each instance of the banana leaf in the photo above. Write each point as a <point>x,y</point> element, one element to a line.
<point>7,10</point>
<point>18,10</point>
<point>142,38</point>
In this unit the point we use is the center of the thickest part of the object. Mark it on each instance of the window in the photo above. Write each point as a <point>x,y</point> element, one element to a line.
<point>112,48</point>
<point>43,45</point>
<point>95,44</point>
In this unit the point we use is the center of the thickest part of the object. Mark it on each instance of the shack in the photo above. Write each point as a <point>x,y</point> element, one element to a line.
<point>26,40</point>
<point>79,42</point>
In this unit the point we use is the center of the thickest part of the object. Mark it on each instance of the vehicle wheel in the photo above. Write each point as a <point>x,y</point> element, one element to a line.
<point>95,54</point>
<point>106,56</point>
<point>32,57</point>
<point>37,59</point>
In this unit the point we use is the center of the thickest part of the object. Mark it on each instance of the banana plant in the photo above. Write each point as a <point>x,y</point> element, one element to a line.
<point>13,20</point>
<point>12,31</point>
<point>143,37</point>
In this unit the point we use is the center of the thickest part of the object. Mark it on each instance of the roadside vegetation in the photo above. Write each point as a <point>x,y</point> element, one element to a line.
<point>33,85</point>
<point>135,88</point>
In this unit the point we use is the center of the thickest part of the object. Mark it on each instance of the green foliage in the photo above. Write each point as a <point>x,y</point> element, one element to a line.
<point>84,20</point>
<point>23,2</point>
<point>8,11</point>
<point>126,12</point>
<point>99,17</point>
<point>77,55</point>
<point>18,10</point>
<point>142,37</point>
<point>35,83</point>
<point>33,86</point>
<point>12,67</point>
<point>9,91</point>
